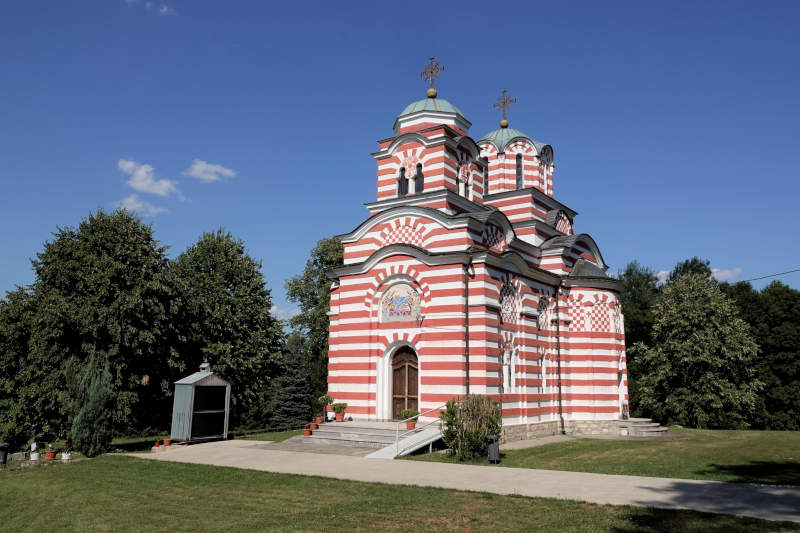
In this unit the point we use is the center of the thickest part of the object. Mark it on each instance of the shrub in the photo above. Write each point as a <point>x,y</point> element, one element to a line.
<point>408,413</point>
<point>467,423</point>
<point>339,408</point>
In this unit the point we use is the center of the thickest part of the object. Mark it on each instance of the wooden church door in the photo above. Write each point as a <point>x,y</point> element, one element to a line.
<point>405,372</point>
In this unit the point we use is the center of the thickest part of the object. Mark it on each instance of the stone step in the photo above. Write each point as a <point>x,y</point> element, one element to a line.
<point>345,441</point>
<point>357,430</point>
<point>649,432</point>
<point>637,420</point>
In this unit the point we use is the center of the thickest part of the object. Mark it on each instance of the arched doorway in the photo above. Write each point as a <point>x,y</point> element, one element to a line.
<point>405,377</point>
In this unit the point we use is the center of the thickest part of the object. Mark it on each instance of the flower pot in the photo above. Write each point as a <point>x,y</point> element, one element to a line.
<point>340,417</point>
<point>34,456</point>
<point>411,424</point>
<point>313,425</point>
<point>306,432</point>
<point>167,442</point>
<point>66,456</point>
<point>318,420</point>
<point>50,455</point>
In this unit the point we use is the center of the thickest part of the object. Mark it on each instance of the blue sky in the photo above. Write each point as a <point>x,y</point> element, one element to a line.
<point>673,124</point>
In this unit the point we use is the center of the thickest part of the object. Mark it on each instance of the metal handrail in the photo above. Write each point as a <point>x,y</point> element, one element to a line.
<point>397,433</point>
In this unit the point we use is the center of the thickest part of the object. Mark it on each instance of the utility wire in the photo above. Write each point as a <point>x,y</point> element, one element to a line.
<point>773,275</point>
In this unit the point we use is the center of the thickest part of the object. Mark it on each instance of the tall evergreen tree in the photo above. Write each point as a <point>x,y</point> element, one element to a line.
<point>92,426</point>
<point>311,290</point>
<point>18,410</point>
<point>294,400</point>
<point>699,371</point>
<point>224,317</point>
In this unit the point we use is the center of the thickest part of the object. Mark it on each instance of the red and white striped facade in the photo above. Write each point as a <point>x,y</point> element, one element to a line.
<point>505,299</point>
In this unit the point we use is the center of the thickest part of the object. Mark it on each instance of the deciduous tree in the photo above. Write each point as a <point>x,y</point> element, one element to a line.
<point>699,370</point>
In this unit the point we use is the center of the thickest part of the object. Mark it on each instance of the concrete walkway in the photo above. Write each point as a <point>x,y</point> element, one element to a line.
<point>758,501</point>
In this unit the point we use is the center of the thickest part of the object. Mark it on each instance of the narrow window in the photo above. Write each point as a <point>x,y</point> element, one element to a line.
<point>402,183</point>
<point>419,183</point>
<point>519,171</point>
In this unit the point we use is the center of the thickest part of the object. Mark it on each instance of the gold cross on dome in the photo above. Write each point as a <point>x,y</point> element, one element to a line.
<point>504,103</point>
<point>432,71</point>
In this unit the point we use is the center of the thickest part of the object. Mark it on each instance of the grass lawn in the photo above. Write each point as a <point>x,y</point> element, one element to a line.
<point>739,456</point>
<point>115,493</point>
<point>274,436</point>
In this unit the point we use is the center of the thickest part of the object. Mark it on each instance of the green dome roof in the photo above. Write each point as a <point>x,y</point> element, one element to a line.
<point>501,137</point>
<point>430,104</point>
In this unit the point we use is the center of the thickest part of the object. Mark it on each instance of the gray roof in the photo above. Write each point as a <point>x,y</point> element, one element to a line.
<point>204,376</point>
<point>586,269</point>
<point>550,219</point>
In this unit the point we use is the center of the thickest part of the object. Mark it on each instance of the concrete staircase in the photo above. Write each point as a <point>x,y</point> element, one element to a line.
<point>365,435</point>
<point>640,427</point>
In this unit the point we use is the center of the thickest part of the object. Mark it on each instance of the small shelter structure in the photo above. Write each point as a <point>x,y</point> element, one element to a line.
<point>200,407</point>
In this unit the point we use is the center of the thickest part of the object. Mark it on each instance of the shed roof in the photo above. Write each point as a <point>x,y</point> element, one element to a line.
<point>204,377</point>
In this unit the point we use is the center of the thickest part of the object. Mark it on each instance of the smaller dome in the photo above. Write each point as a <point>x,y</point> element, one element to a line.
<point>502,137</point>
<point>431,104</point>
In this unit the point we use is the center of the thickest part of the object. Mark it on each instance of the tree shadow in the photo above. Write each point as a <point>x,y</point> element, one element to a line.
<point>771,472</point>
<point>764,502</point>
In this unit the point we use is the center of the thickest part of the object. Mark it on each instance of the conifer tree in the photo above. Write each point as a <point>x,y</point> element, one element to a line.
<point>294,400</point>
<point>93,404</point>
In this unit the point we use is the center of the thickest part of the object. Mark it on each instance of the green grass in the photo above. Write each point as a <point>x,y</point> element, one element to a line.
<point>739,456</point>
<point>115,493</point>
<point>274,436</point>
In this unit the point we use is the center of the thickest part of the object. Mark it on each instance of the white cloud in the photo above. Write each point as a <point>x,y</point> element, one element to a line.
<point>282,313</point>
<point>142,179</point>
<point>164,9</point>
<point>726,274</point>
<point>662,276</point>
<point>148,5</point>
<point>133,203</point>
<point>208,172</point>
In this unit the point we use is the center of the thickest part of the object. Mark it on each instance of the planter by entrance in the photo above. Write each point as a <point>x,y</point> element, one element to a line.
<point>50,455</point>
<point>319,420</point>
<point>306,432</point>
<point>411,424</point>
<point>34,456</point>
<point>167,442</point>
<point>313,425</point>
<point>66,456</point>
<point>340,417</point>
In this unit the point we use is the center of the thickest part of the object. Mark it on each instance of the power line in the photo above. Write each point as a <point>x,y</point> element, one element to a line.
<point>773,275</point>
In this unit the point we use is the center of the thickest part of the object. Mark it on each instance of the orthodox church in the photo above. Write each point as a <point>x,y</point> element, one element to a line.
<point>468,277</point>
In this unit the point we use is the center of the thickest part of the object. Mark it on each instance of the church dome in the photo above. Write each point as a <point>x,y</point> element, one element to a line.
<point>431,104</point>
<point>502,137</point>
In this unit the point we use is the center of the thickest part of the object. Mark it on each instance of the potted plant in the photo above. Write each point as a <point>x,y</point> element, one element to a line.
<point>50,453</point>
<point>325,400</point>
<point>313,425</point>
<point>66,453</point>
<point>167,441</point>
<point>306,432</point>
<point>339,409</point>
<point>410,413</point>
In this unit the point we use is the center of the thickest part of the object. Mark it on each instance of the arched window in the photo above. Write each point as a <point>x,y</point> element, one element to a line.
<point>402,183</point>
<point>419,184</point>
<point>519,171</point>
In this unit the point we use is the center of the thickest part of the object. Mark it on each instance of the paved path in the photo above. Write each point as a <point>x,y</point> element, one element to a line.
<point>759,501</point>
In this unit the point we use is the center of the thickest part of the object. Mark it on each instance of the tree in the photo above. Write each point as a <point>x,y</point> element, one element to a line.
<point>311,290</point>
<point>695,265</point>
<point>224,317</point>
<point>699,371</point>
<point>16,415</point>
<point>92,404</point>
<point>773,315</point>
<point>294,400</point>
<point>100,289</point>
<point>638,297</point>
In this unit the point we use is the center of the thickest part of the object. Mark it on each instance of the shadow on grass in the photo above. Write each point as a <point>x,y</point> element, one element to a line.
<point>134,446</point>
<point>766,502</point>
<point>772,472</point>
<point>665,520</point>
